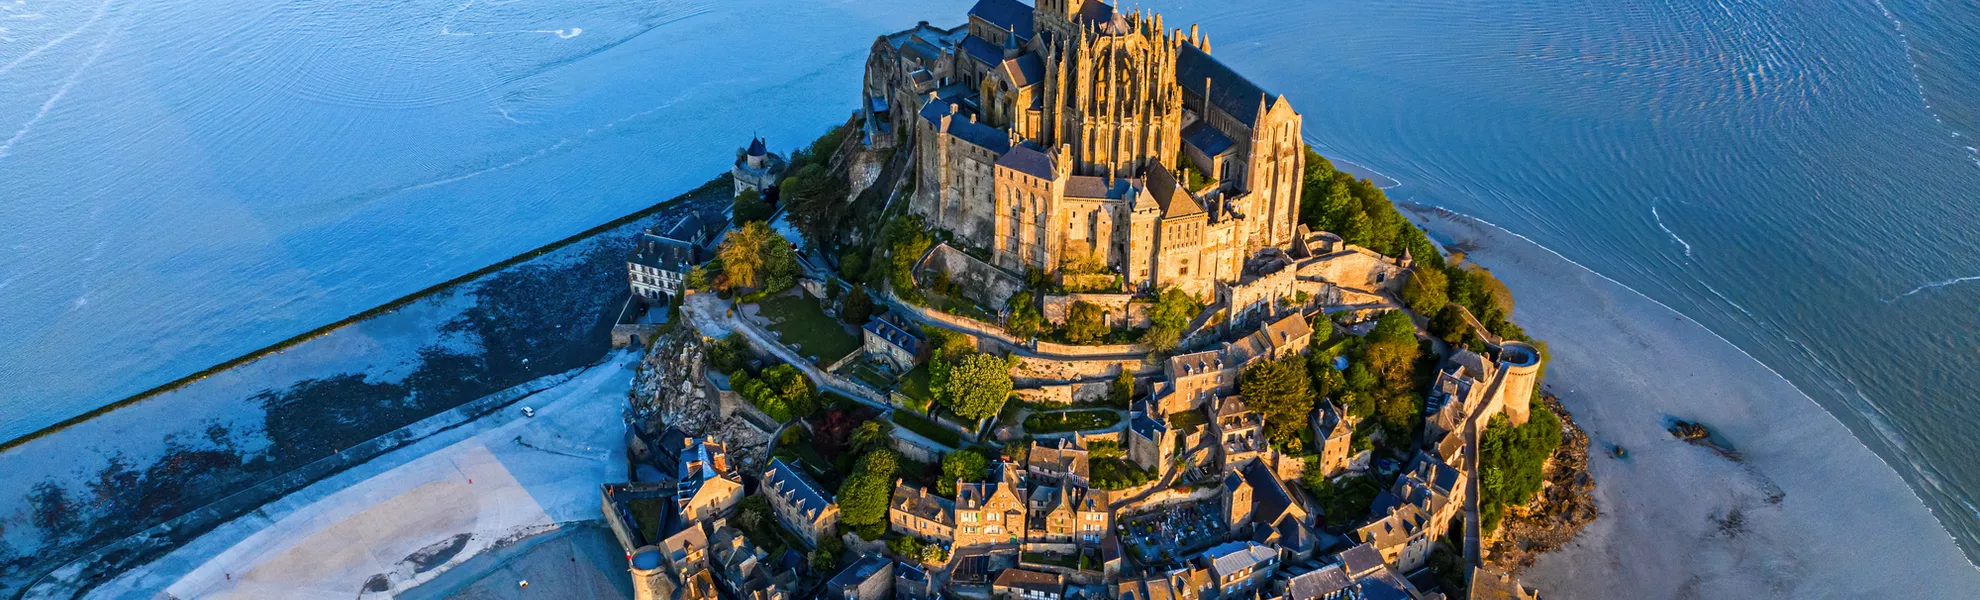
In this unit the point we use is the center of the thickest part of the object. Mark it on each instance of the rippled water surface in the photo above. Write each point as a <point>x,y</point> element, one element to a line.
<point>182,182</point>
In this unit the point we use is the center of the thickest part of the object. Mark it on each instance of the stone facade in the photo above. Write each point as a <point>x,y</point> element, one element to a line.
<point>991,513</point>
<point>913,511</point>
<point>1077,135</point>
<point>802,505</point>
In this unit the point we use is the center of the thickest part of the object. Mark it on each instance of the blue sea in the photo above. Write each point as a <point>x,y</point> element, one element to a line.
<point>185,182</point>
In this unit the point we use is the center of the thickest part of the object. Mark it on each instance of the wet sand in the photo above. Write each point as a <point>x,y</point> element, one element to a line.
<point>1806,510</point>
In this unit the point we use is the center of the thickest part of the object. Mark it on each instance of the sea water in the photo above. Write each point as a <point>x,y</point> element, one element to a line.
<point>181,182</point>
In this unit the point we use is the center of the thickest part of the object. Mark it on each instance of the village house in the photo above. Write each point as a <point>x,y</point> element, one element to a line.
<point>801,505</point>
<point>1190,583</point>
<point>1149,438</point>
<point>1240,567</point>
<point>1194,379</point>
<point>1334,436</point>
<point>1058,461</point>
<point>1240,431</point>
<point>708,488</point>
<point>887,339</point>
<point>991,513</point>
<point>1023,584</point>
<point>745,570</point>
<point>915,512</point>
<point>1068,513</point>
<point>869,578</point>
<point>658,267</point>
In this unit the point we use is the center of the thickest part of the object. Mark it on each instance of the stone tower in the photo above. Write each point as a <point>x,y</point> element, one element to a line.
<point>1519,368</point>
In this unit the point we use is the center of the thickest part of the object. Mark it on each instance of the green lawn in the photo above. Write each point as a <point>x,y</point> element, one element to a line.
<point>799,320</point>
<point>928,429</point>
<point>1187,421</point>
<point>646,513</point>
<point>914,384</point>
<point>1076,420</point>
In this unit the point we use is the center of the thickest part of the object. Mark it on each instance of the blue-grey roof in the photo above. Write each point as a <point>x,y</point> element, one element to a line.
<point>1148,426</point>
<point>756,147</point>
<point>1207,139</point>
<point>791,482</point>
<point>1231,557</point>
<point>1088,186</point>
<point>1384,586</point>
<point>1028,160</point>
<point>895,335</point>
<point>983,50</point>
<point>877,103</point>
<point>1228,91</point>
<point>661,253</point>
<point>1318,584</point>
<point>858,572</point>
<point>1268,496</point>
<point>1025,70</point>
<point>990,138</point>
<point>1008,15</point>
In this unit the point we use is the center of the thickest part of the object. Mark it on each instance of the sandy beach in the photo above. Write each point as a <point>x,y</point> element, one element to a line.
<point>1804,511</point>
<point>500,485</point>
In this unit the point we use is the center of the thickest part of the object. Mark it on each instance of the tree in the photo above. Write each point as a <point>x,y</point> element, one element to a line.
<point>1168,318</point>
<point>907,239</point>
<point>871,436</point>
<point>863,497</point>
<point>852,265</point>
<point>1025,320</point>
<point>1393,326</point>
<point>857,308</point>
<point>1279,390</point>
<point>965,465</point>
<point>1514,458</point>
<point>814,199</point>
<point>753,256</point>
<point>750,206</point>
<point>1424,292</point>
<point>1449,325</point>
<point>978,385</point>
<point>1392,361</point>
<point>1323,328</point>
<point>1122,391</point>
<point>729,354</point>
<point>1085,323</point>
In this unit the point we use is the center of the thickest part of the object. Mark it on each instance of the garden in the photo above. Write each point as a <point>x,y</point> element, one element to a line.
<point>797,319</point>
<point>1071,420</point>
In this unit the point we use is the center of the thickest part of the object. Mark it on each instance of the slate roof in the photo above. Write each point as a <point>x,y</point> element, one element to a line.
<point>1008,15</point>
<point>1025,71</point>
<point>1148,426</point>
<point>1232,557</point>
<point>984,136</point>
<point>895,335</point>
<point>658,252</point>
<point>1318,584</point>
<point>1269,497</point>
<point>1025,579</point>
<point>860,571</point>
<point>981,49</point>
<point>1059,457</point>
<point>1361,560</point>
<point>1025,159</point>
<point>1207,139</point>
<point>1169,195</point>
<point>1089,186</point>
<point>1229,91</point>
<point>796,487</point>
<point>756,147</point>
<point>918,502</point>
<point>1386,585</point>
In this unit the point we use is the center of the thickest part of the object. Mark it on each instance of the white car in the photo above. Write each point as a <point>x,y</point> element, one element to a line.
<point>528,412</point>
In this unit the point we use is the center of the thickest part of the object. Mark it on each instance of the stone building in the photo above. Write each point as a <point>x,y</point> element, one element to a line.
<point>802,505</point>
<point>913,511</point>
<point>1240,567</point>
<point>1023,584</point>
<point>1194,379</point>
<point>887,339</point>
<point>1068,513</point>
<point>991,513</point>
<point>756,168</point>
<point>661,258</point>
<point>1058,461</point>
<point>708,487</point>
<point>869,578</point>
<point>1150,440</point>
<point>1240,431</point>
<point>1076,134</point>
<point>1334,436</point>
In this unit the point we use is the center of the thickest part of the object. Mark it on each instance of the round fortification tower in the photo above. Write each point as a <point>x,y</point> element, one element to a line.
<point>649,575</point>
<point>1520,365</point>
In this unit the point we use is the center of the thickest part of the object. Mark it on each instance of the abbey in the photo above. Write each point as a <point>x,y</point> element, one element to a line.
<point>1076,138</point>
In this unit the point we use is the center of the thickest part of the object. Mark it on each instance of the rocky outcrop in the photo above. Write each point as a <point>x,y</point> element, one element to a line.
<point>1565,504</point>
